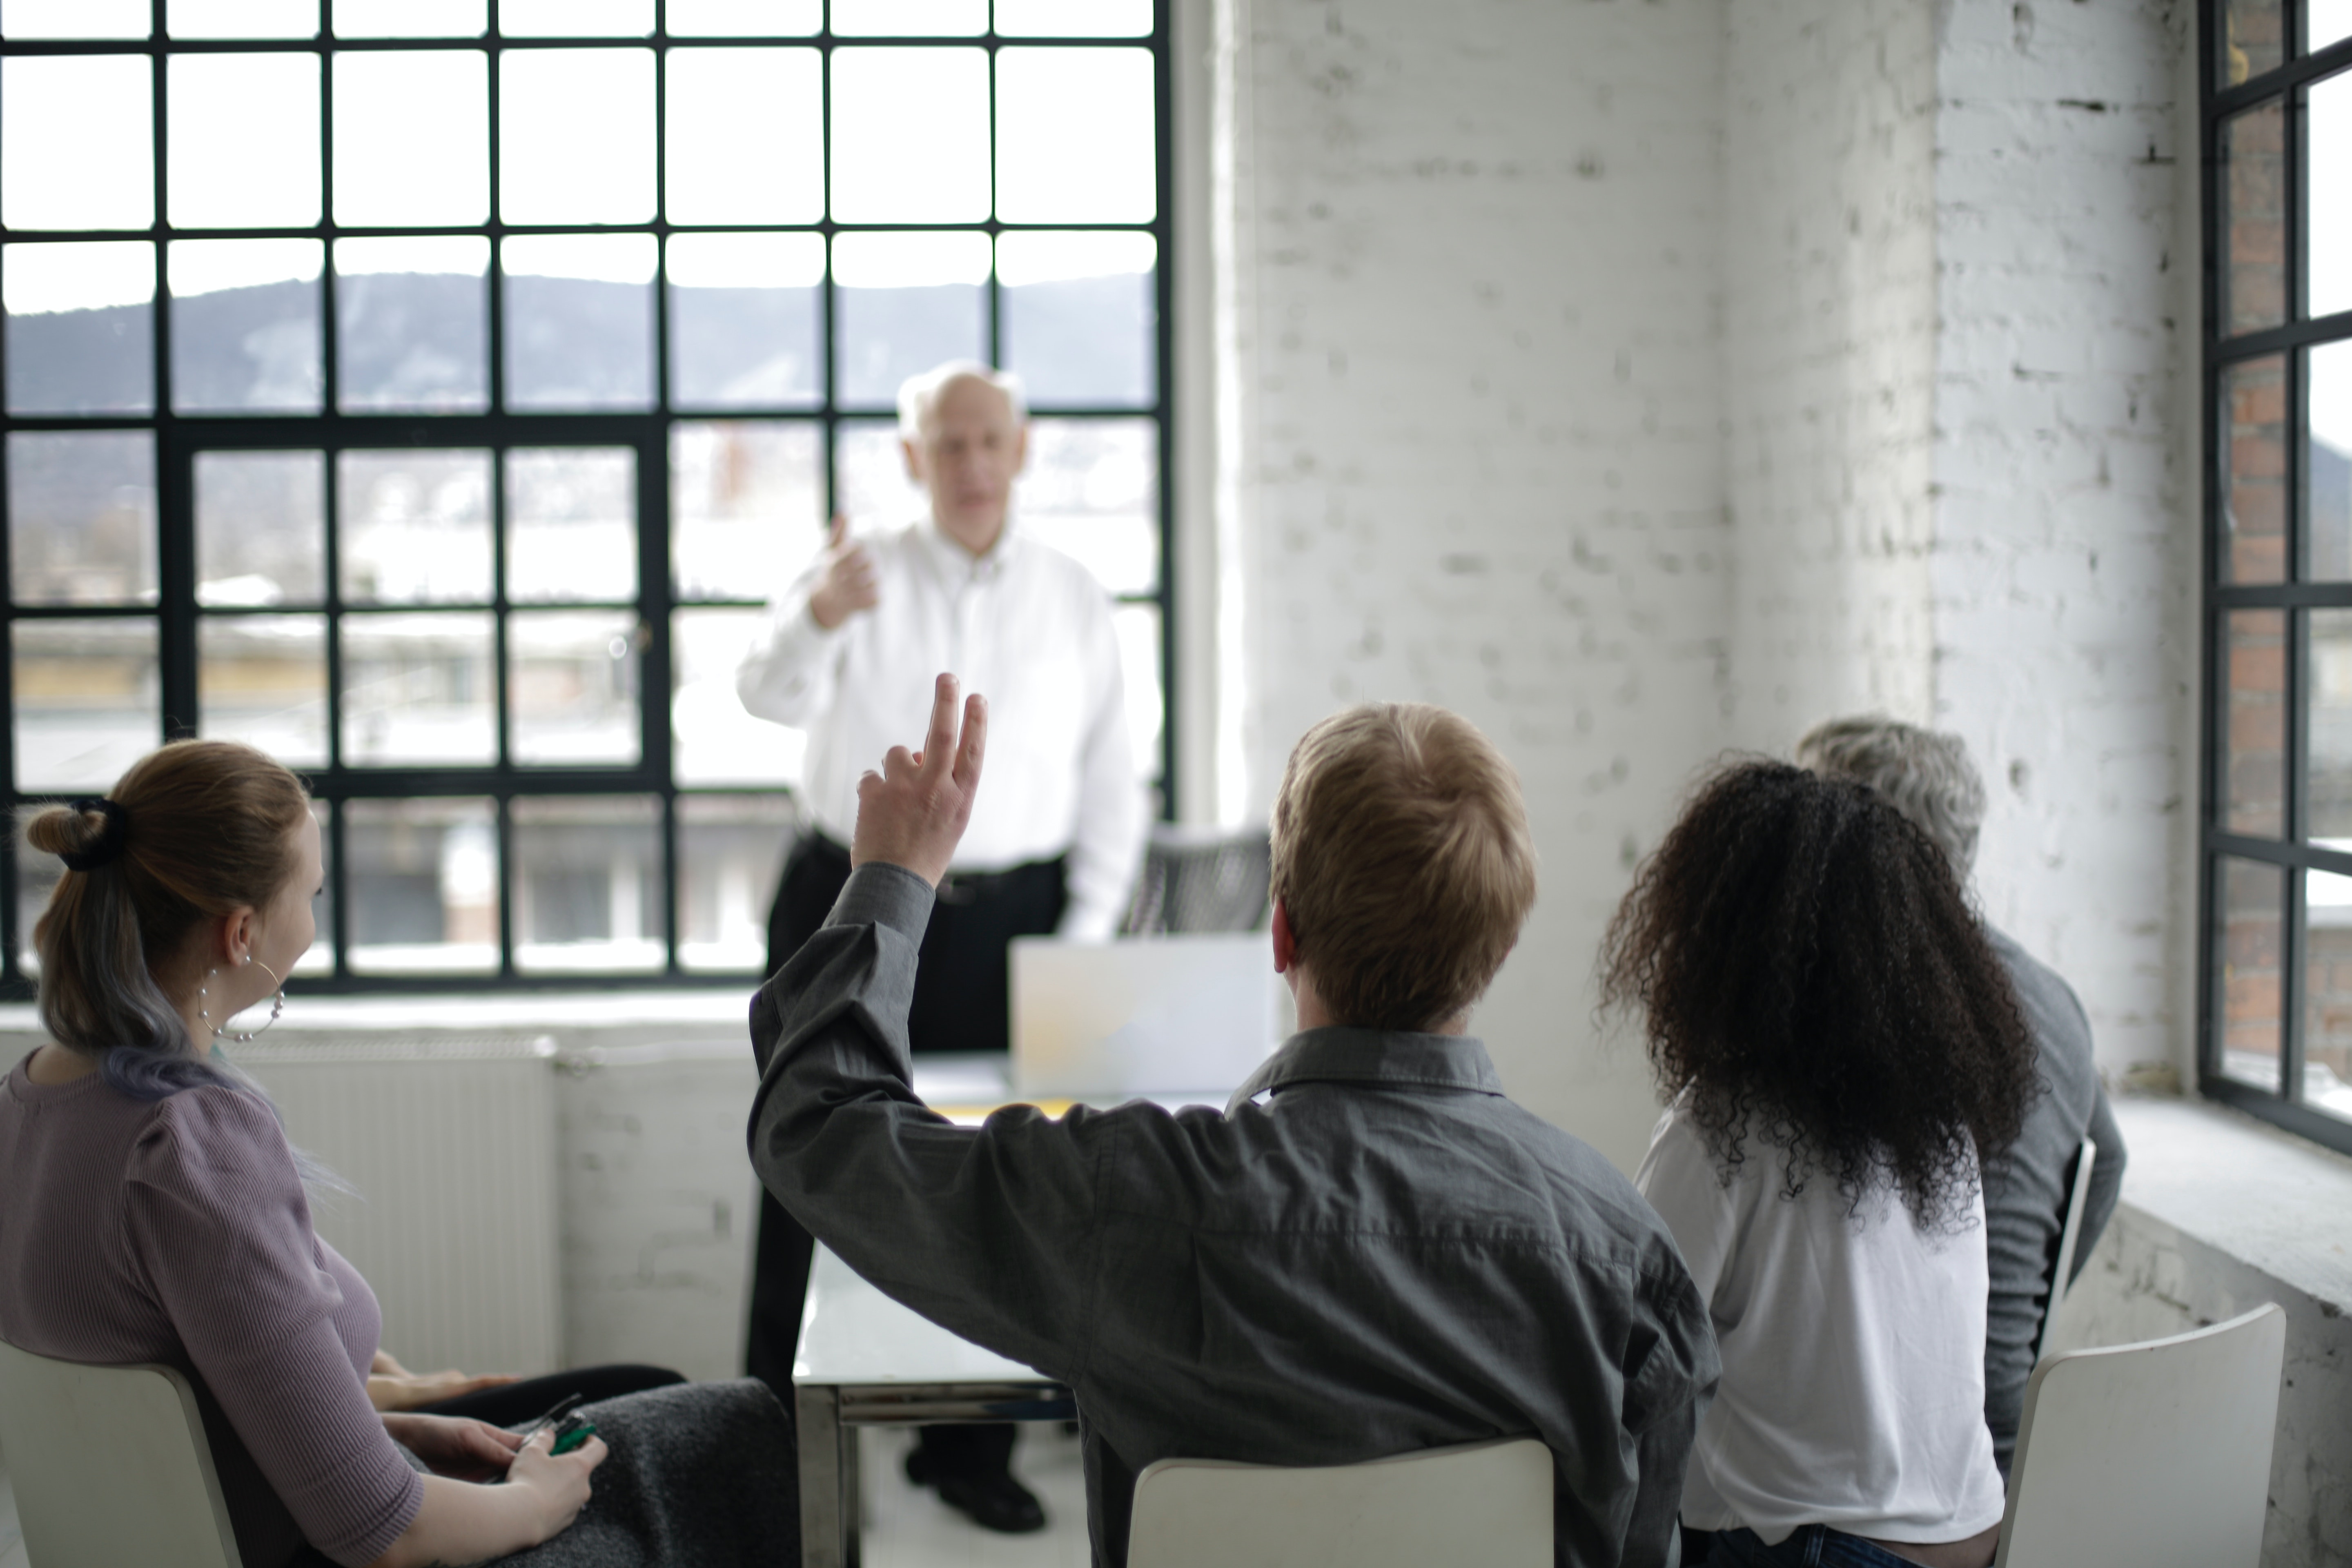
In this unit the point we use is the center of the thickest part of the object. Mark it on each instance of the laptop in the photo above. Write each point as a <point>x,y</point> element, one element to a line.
<point>1178,1018</point>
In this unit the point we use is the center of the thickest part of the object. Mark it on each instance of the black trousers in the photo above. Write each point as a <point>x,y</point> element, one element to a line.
<point>512,1403</point>
<point>963,1002</point>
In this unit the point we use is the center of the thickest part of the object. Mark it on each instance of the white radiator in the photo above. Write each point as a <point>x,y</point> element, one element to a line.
<point>451,1143</point>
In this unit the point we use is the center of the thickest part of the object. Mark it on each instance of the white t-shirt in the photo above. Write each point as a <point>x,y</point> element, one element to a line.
<point>1853,1391</point>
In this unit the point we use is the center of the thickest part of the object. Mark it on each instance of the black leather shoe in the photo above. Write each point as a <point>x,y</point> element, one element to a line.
<point>996,1502</point>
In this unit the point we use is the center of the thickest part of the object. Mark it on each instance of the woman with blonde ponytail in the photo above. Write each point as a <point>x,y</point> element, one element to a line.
<point>154,1212</point>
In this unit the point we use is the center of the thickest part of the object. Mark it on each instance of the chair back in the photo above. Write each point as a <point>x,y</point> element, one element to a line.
<point>2069,1238</point>
<point>109,1466</point>
<point>1201,879</point>
<point>2150,1456</point>
<point>1489,1501</point>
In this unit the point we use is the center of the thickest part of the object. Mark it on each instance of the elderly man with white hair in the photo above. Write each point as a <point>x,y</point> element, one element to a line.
<point>848,652</point>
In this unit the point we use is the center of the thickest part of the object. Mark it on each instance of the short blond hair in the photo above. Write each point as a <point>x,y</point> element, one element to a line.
<point>1402,861</point>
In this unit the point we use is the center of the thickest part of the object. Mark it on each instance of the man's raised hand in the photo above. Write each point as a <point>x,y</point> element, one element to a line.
<point>846,585</point>
<point>913,813</point>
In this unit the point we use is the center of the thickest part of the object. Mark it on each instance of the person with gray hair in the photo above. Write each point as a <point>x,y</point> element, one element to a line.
<point>1927,777</point>
<point>847,654</point>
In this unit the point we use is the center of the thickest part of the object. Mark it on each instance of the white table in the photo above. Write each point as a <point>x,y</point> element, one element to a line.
<point>865,1361</point>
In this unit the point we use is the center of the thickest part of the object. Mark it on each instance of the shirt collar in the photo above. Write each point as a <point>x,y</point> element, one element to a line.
<point>1383,1057</point>
<point>956,564</point>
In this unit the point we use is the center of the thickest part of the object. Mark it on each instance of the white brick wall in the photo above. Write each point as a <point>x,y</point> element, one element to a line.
<point>1480,462</point>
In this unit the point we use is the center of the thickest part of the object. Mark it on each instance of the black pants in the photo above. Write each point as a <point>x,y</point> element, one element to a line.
<point>512,1403</point>
<point>963,1002</point>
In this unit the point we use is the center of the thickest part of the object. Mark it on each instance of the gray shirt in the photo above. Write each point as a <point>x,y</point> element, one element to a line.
<point>1386,1254</point>
<point>2026,1194</point>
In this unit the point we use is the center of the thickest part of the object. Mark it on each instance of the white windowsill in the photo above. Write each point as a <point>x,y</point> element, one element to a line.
<point>2274,1202</point>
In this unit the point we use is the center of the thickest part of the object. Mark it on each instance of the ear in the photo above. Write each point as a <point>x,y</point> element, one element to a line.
<point>1021,447</point>
<point>913,459</point>
<point>1285,946</point>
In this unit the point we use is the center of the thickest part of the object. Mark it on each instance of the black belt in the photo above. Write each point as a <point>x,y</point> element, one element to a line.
<point>958,887</point>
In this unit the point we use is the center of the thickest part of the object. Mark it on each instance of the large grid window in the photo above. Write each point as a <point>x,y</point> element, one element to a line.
<point>2276,993</point>
<point>432,393</point>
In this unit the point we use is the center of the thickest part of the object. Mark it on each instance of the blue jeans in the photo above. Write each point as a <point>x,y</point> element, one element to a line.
<point>1809,1546</point>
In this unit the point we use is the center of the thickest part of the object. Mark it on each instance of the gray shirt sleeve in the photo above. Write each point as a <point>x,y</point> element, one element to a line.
<point>992,1231</point>
<point>2106,1180</point>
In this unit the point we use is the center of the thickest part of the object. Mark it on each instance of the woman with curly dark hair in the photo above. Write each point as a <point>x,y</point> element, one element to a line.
<point>1839,1050</point>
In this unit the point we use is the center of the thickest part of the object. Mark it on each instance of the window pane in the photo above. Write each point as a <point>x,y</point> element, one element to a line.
<point>588,884</point>
<point>423,886</point>
<point>2329,712</point>
<point>81,517</point>
<point>412,318</point>
<point>722,102</point>
<point>2253,759</point>
<point>745,317</point>
<point>2249,987</point>
<point>2253,470</point>
<point>414,527</point>
<point>1138,626</point>
<point>77,142</point>
<point>2327,220</point>
<point>1078,315</point>
<point>743,18</point>
<point>262,679</point>
<point>2327,478</point>
<point>716,741</point>
<point>242,18</point>
<point>731,854</point>
<point>394,167</point>
<point>1074,18</point>
<point>244,325</point>
<point>261,527</point>
<point>76,19</point>
<point>909,19</point>
<point>2254,40</point>
<point>571,523</point>
<point>894,162</point>
<point>1074,136</point>
<point>244,141</point>
<point>81,327</point>
<point>2326,22</point>
<point>869,470</point>
<point>89,702</point>
<point>576,136</point>
<point>576,19</point>
<point>580,320</point>
<point>411,18</point>
<point>418,689</point>
<point>1092,490</point>
<point>904,303</point>
<point>747,505</point>
<point>2253,218</point>
<point>571,678</point>
<point>2327,992</point>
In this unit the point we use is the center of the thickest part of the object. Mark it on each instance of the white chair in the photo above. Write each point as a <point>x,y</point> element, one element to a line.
<point>1485,1502</point>
<point>2149,1456</point>
<point>109,1466</point>
<point>2069,1240</point>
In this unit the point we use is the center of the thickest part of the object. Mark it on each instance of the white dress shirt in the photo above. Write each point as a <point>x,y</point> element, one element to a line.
<point>1853,1391</point>
<point>1027,626</point>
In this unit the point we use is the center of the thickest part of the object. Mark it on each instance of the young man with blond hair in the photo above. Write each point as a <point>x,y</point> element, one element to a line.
<point>1383,1255</point>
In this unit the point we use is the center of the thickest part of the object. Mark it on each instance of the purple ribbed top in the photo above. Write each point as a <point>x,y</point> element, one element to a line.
<point>178,1231</point>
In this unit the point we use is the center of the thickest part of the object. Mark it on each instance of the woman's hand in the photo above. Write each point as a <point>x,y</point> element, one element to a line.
<point>557,1482</point>
<point>452,1446</point>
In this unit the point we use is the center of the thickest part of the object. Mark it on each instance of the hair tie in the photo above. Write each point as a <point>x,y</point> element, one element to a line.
<point>109,847</point>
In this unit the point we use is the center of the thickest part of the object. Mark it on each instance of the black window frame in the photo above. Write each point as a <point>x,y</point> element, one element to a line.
<point>2293,597</point>
<point>179,437</point>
